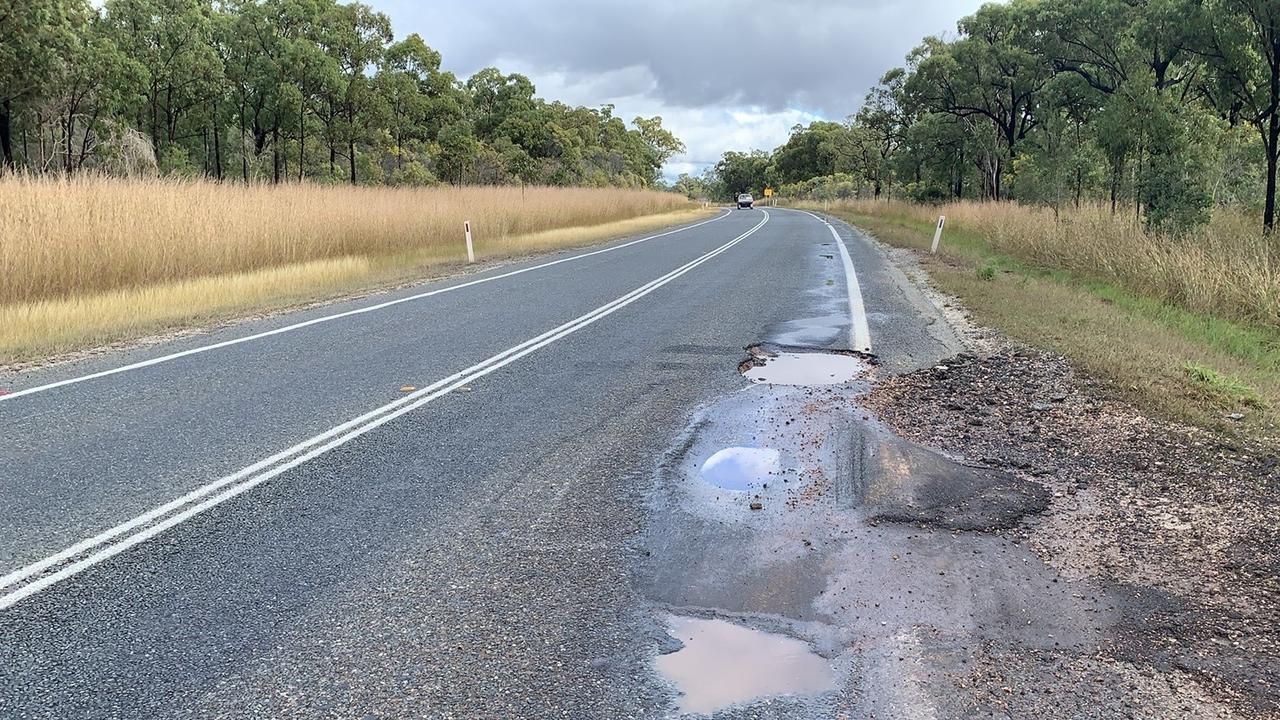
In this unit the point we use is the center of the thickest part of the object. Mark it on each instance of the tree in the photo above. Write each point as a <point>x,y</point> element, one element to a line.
<point>994,73</point>
<point>659,145</point>
<point>34,38</point>
<point>1242,43</point>
<point>172,41</point>
<point>355,35</point>
<point>743,172</point>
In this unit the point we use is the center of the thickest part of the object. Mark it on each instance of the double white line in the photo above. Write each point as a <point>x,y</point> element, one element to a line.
<point>42,574</point>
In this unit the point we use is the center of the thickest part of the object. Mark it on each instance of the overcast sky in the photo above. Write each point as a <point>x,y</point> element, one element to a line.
<point>723,74</point>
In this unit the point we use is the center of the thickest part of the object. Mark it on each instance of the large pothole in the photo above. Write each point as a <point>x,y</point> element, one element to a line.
<point>781,365</point>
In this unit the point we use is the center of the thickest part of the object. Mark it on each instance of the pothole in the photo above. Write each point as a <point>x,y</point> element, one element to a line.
<point>788,366</point>
<point>724,664</point>
<point>742,468</point>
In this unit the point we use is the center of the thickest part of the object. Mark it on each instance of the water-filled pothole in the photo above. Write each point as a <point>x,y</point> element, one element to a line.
<point>724,664</point>
<point>742,468</point>
<point>794,367</point>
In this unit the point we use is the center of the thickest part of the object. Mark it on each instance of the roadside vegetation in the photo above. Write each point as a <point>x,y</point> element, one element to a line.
<point>274,91</point>
<point>1185,332</point>
<point>92,260</point>
<point>1108,173</point>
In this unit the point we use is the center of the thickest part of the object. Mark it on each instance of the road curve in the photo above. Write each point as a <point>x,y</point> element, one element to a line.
<point>262,521</point>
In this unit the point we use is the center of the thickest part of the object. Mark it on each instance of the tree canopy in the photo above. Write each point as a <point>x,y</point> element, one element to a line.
<point>277,90</point>
<point>1169,108</point>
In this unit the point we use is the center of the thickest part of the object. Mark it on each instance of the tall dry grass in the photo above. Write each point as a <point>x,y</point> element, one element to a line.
<point>91,260</point>
<point>1227,268</point>
<point>67,238</point>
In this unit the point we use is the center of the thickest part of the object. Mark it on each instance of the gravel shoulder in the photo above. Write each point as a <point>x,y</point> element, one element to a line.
<point>1177,521</point>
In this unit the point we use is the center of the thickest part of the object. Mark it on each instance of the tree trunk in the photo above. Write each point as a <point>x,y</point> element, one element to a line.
<point>71,125</point>
<point>1115,185</point>
<point>351,159</point>
<point>84,144</point>
<point>1273,147</point>
<point>302,139</point>
<point>6,135</point>
<point>217,145</point>
<point>244,156</point>
<point>275,155</point>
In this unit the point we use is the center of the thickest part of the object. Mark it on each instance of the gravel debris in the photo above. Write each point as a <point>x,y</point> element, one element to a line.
<point>1180,520</point>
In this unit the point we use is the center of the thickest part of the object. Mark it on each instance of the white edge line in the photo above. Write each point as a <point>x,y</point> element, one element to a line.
<point>859,332</point>
<point>357,311</point>
<point>380,417</point>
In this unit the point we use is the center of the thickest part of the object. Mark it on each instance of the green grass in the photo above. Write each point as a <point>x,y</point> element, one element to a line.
<point>1223,387</point>
<point>1180,364</point>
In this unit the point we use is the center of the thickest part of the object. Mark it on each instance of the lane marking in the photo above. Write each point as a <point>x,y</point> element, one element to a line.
<point>859,332</point>
<point>336,316</point>
<point>219,491</point>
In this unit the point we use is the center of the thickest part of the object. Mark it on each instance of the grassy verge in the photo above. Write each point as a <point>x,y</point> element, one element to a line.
<point>1181,362</point>
<point>96,261</point>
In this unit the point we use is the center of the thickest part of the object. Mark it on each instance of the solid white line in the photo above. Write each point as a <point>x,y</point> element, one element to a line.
<point>859,332</point>
<point>327,318</point>
<point>245,480</point>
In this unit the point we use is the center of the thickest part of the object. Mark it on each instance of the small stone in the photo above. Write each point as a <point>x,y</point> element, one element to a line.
<point>757,506</point>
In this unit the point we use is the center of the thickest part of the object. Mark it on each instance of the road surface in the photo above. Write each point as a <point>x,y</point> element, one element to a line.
<point>426,503</point>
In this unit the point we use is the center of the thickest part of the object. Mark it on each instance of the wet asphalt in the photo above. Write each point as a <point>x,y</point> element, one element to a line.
<point>473,558</point>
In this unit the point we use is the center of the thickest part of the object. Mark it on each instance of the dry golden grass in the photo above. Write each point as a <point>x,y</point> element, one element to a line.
<point>1227,268</point>
<point>96,260</point>
<point>1162,341</point>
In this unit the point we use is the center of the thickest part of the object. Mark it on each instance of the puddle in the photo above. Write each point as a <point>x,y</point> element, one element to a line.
<point>724,664</point>
<point>742,468</point>
<point>804,368</point>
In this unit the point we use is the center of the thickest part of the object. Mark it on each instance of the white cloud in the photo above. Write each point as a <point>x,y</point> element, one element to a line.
<point>707,132</point>
<point>723,74</point>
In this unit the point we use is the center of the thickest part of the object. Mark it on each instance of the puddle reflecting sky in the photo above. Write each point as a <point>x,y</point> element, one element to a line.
<point>742,468</point>
<point>724,664</point>
<point>807,369</point>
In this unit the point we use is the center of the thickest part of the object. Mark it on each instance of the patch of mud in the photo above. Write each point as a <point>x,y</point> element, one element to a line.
<point>721,664</point>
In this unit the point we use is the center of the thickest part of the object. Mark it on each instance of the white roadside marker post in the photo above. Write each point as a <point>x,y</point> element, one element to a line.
<point>471,251</point>
<point>937,235</point>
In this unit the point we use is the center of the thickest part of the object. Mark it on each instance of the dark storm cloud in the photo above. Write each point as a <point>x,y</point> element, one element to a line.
<point>819,56</point>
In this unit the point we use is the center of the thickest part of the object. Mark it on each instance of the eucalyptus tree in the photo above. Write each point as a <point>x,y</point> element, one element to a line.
<point>1242,44</point>
<point>992,72</point>
<point>35,36</point>
<point>172,42</point>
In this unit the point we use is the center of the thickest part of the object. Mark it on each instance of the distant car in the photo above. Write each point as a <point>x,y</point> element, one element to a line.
<point>745,202</point>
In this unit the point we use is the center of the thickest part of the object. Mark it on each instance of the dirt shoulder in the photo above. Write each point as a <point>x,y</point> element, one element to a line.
<point>1179,521</point>
<point>1174,364</point>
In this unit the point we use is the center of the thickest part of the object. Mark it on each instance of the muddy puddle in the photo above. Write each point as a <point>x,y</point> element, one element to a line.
<point>803,368</point>
<point>722,664</point>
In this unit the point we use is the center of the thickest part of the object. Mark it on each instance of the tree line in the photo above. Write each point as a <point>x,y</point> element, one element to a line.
<point>1166,108</point>
<point>279,90</point>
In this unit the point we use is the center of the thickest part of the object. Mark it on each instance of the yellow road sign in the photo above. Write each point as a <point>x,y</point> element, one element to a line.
<point>768,192</point>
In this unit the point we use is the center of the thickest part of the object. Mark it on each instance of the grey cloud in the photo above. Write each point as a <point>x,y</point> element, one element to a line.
<point>819,56</point>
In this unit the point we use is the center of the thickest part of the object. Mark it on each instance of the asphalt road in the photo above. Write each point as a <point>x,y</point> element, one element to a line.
<point>463,549</point>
